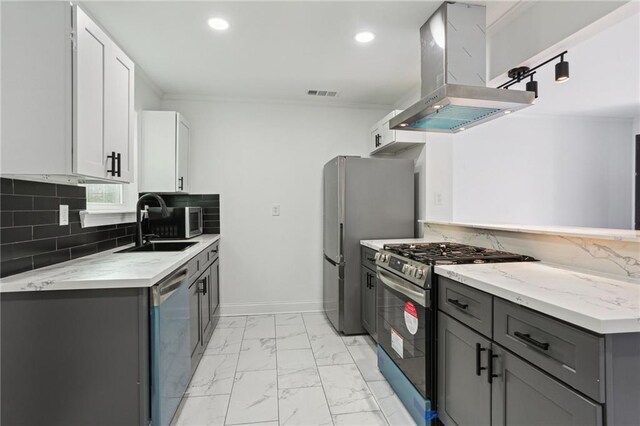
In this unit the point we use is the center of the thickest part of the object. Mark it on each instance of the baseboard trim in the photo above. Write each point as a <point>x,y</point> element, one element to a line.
<point>230,309</point>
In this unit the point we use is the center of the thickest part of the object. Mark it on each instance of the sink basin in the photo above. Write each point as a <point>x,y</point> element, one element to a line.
<point>170,246</point>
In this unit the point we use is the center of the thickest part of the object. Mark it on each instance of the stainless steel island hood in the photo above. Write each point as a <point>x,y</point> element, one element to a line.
<point>453,68</point>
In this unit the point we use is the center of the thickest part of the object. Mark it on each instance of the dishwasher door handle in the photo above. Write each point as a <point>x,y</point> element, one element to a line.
<point>164,290</point>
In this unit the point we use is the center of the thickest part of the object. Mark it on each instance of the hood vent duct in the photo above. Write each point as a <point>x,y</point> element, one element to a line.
<point>453,70</point>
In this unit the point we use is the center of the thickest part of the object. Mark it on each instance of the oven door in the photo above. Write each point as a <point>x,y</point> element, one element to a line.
<point>405,329</point>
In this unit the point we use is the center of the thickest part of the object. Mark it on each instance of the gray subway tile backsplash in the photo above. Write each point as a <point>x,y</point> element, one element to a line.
<point>30,236</point>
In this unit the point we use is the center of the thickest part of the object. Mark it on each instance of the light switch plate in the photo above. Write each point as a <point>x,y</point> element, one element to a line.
<point>64,214</point>
<point>437,199</point>
<point>275,210</point>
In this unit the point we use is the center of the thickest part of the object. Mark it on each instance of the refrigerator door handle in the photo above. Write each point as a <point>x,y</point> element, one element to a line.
<point>341,242</point>
<point>331,261</point>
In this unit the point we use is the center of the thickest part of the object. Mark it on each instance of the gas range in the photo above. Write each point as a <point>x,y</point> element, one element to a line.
<point>415,262</point>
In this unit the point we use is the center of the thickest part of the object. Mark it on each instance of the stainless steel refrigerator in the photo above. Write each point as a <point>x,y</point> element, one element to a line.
<point>364,198</point>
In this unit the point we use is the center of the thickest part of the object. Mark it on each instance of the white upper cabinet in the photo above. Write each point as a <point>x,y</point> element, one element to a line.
<point>164,152</point>
<point>383,140</point>
<point>69,90</point>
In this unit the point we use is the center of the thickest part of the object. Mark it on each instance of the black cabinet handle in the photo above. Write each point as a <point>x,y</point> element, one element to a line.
<point>368,280</point>
<point>113,169</point>
<point>118,158</point>
<point>371,259</point>
<point>457,304</point>
<point>528,339</point>
<point>490,358</point>
<point>181,187</point>
<point>479,350</point>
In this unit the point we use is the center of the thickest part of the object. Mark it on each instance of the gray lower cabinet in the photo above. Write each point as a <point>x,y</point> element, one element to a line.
<point>516,393</point>
<point>368,286</point>
<point>77,357</point>
<point>464,393</point>
<point>524,395</point>
<point>204,301</point>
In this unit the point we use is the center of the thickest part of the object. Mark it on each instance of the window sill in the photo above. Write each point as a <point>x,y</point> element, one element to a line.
<point>106,217</point>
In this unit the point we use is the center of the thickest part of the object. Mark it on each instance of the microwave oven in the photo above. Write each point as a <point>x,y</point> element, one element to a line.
<point>183,222</point>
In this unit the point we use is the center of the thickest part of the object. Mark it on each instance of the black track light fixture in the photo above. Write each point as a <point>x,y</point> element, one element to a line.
<point>532,86</point>
<point>519,74</point>
<point>562,70</point>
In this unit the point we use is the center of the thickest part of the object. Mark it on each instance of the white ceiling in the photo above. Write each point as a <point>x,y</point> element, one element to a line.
<point>274,50</point>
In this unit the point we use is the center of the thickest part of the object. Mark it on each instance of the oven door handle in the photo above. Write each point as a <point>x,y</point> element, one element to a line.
<point>398,285</point>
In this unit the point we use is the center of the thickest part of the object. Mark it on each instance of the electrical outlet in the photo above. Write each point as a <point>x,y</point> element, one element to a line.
<point>275,210</point>
<point>437,198</point>
<point>64,214</point>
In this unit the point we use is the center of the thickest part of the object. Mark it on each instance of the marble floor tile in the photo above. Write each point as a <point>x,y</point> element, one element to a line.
<point>313,318</point>
<point>367,361</point>
<point>330,350</point>
<point>369,418</point>
<point>260,327</point>
<point>257,354</point>
<point>202,411</point>
<point>391,406</point>
<point>214,375</point>
<point>303,407</point>
<point>297,369</point>
<point>289,319</point>
<point>232,322</point>
<point>292,337</point>
<point>346,390</point>
<point>318,331</point>
<point>254,398</point>
<point>225,341</point>
<point>358,340</point>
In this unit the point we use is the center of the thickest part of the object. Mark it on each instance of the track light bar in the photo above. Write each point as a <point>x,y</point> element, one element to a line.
<point>520,73</point>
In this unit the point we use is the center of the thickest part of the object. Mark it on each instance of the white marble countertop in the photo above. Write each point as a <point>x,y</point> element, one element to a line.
<point>378,244</point>
<point>106,269</point>
<point>602,305</point>
<point>569,231</point>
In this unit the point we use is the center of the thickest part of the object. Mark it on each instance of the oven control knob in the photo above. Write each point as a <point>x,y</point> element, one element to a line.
<point>410,269</point>
<point>419,273</point>
<point>405,268</point>
<point>377,256</point>
<point>384,257</point>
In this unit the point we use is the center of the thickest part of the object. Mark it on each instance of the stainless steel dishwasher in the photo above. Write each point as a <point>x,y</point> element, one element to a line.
<point>170,354</point>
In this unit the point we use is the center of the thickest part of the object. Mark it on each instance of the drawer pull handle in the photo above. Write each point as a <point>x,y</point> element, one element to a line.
<point>479,350</point>
<point>457,304</point>
<point>528,339</point>
<point>490,358</point>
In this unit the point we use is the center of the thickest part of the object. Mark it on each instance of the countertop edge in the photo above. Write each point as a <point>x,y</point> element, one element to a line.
<point>26,285</point>
<point>595,325</point>
<point>576,232</point>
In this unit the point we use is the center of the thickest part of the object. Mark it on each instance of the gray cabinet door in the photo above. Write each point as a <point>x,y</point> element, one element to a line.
<point>194,318</point>
<point>206,313</point>
<point>524,395</point>
<point>214,286</point>
<point>368,294</point>
<point>464,393</point>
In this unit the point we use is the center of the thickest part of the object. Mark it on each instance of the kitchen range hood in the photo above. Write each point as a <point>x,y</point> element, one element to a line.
<point>453,68</point>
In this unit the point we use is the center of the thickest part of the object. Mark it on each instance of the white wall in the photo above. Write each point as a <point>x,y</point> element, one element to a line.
<point>532,27</point>
<point>258,154</point>
<point>544,170</point>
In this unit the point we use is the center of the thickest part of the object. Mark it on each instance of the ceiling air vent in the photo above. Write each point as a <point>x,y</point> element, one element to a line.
<point>323,93</point>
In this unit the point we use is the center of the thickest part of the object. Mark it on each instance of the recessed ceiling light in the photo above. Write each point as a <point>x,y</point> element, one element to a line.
<point>218,24</point>
<point>365,37</point>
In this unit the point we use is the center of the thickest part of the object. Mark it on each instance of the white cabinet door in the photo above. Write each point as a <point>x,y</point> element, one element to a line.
<point>119,123</point>
<point>183,137</point>
<point>90,53</point>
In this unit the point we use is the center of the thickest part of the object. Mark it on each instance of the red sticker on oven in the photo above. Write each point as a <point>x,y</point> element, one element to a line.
<point>411,317</point>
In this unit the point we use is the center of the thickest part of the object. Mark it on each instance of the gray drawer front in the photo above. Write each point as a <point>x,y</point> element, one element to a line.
<point>468,305</point>
<point>212,253</point>
<point>367,259</point>
<point>570,354</point>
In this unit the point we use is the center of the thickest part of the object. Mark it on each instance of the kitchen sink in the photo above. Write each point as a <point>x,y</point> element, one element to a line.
<point>170,246</point>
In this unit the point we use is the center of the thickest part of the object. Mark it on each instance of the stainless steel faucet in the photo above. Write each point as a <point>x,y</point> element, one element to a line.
<point>163,208</point>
